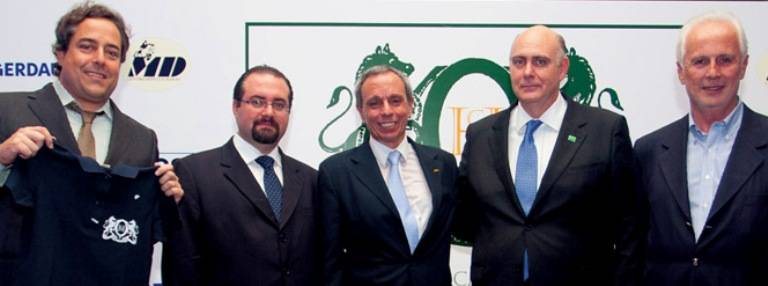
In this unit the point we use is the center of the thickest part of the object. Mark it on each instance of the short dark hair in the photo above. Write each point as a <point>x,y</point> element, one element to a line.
<point>261,69</point>
<point>67,25</point>
<point>377,70</point>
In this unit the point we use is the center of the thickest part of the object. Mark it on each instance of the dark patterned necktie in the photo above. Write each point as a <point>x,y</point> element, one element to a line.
<point>272,185</point>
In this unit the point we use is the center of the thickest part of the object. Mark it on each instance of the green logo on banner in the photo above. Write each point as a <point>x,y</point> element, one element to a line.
<point>425,120</point>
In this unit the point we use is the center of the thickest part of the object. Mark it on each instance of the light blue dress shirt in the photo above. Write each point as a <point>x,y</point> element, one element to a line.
<point>707,156</point>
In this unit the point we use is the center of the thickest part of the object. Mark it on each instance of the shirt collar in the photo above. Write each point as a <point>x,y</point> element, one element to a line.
<point>381,151</point>
<point>249,153</point>
<point>65,97</point>
<point>553,117</point>
<point>728,122</point>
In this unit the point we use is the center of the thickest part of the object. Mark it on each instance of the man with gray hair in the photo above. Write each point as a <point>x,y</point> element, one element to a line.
<point>704,176</point>
<point>386,206</point>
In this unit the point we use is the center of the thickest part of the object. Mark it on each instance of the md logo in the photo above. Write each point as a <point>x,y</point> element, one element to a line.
<point>156,64</point>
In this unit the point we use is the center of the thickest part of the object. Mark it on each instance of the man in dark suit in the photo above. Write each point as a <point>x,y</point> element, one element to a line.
<point>91,43</point>
<point>386,206</point>
<point>704,176</point>
<point>248,213</point>
<point>545,186</point>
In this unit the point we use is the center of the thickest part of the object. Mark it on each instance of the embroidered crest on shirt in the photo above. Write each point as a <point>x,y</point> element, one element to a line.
<point>120,230</point>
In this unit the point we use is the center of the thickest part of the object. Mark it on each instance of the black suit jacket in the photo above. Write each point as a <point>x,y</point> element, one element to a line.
<point>364,240</point>
<point>733,247</point>
<point>229,234</point>
<point>130,143</point>
<point>585,204</point>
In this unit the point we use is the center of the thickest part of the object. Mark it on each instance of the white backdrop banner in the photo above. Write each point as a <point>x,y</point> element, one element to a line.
<point>185,58</point>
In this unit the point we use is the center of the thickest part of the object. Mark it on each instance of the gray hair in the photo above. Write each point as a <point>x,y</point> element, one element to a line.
<point>377,70</point>
<point>712,16</point>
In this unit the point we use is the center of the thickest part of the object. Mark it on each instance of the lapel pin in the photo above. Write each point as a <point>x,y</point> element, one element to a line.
<point>435,170</point>
<point>572,138</point>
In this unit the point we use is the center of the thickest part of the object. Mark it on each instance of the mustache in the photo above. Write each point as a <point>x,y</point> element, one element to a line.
<point>265,120</point>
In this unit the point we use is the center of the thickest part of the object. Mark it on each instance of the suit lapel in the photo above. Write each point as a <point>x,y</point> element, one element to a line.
<point>743,160</point>
<point>293,186</point>
<point>498,145</point>
<point>365,168</point>
<point>672,163</point>
<point>238,173</point>
<point>120,140</point>
<point>50,111</point>
<point>565,149</point>
<point>432,168</point>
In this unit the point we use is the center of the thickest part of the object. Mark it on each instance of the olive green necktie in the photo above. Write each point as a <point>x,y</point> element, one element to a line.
<point>85,140</point>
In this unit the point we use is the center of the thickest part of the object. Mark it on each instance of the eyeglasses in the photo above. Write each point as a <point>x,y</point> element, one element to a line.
<point>259,103</point>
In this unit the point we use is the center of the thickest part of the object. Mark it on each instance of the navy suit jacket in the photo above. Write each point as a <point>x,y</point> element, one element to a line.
<point>582,227</point>
<point>229,234</point>
<point>130,143</point>
<point>364,240</point>
<point>733,247</point>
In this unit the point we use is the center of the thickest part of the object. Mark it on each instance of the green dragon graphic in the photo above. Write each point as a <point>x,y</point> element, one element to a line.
<point>581,83</point>
<point>380,57</point>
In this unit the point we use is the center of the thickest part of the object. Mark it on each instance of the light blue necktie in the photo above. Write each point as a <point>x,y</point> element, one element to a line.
<point>397,191</point>
<point>272,186</point>
<point>526,176</point>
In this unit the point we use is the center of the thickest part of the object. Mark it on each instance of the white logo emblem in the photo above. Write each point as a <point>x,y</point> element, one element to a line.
<point>120,230</point>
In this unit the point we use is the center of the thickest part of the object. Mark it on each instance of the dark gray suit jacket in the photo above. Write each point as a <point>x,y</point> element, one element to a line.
<point>364,240</point>
<point>130,143</point>
<point>733,247</point>
<point>585,204</point>
<point>229,234</point>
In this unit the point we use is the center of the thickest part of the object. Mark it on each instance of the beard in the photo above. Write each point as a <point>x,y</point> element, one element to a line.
<point>265,135</point>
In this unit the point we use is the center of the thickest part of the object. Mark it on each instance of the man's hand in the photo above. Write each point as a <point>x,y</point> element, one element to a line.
<point>25,143</point>
<point>169,182</point>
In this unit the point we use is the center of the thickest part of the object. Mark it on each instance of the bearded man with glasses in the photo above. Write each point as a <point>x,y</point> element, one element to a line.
<point>248,215</point>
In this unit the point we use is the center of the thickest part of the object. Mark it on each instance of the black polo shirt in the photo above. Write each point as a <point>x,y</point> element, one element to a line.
<point>90,225</point>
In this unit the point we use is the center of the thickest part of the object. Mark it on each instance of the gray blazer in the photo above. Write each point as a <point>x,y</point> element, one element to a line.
<point>130,143</point>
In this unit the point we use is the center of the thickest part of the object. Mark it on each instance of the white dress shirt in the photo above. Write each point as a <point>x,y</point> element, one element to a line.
<point>414,182</point>
<point>544,137</point>
<point>249,154</point>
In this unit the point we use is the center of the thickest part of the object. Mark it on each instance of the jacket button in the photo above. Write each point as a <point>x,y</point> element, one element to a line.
<point>695,262</point>
<point>688,224</point>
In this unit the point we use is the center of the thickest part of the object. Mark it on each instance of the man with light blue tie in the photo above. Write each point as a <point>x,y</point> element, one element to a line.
<point>546,186</point>
<point>386,206</point>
